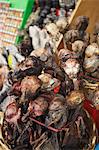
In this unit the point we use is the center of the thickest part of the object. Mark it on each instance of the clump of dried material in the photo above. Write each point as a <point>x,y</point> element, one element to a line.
<point>58,112</point>
<point>91,61</point>
<point>38,107</point>
<point>75,98</point>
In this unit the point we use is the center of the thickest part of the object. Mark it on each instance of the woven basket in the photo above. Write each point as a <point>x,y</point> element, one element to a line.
<point>92,130</point>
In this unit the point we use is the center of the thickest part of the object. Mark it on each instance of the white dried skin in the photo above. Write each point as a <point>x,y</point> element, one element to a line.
<point>45,77</point>
<point>48,81</point>
<point>91,50</point>
<point>34,34</point>
<point>75,98</point>
<point>62,23</point>
<point>91,63</point>
<point>52,29</point>
<point>39,37</point>
<point>42,53</point>
<point>63,52</point>
<point>78,46</point>
<point>30,83</point>
<point>38,106</point>
<point>71,68</point>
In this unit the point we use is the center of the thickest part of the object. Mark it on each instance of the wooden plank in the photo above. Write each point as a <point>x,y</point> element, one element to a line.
<point>88,8</point>
<point>75,10</point>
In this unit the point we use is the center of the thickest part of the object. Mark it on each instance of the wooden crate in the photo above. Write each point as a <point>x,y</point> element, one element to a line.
<point>88,8</point>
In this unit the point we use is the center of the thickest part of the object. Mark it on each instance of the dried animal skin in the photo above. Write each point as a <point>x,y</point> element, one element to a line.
<point>34,32</point>
<point>30,83</point>
<point>39,37</point>
<point>25,64</point>
<point>64,53</point>
<point>78,46</point>
<point>70,65</point>
<point>45,77</point>
<point>42,53</point>
<point>48,82</point>
<point>63,56</point>
<point>57,112</point>
<point>62,24</point>
<point>75,98</point>
<point>52,65</point>
<point>57,103</point>
<point>38,106</point>
<point>71,68</point>
<point>71,36</point>
<point>91,61</point>
<point>90,87</point>
<point>25,47</point>
<point>92,50</point>
<point>91,64</point>
<point>82,23</point>
<point>52,29</point>
<point>12,113</point>
<point>31,65</point>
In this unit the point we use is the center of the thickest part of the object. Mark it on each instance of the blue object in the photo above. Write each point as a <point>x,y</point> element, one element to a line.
<point>97,147</point>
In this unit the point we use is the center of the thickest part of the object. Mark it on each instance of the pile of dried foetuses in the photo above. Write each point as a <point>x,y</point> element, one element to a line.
<point>43,108</point>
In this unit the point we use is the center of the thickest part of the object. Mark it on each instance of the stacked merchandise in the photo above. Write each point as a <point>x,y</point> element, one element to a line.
<point>4,7</point>
<point>12,18</point>
<point>44,13</point>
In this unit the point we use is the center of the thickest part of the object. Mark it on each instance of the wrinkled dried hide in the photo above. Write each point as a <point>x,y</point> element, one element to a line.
<point>75,98</point>
<point>70,37</point>
<point>91,61</point>
<point>57,112</point>
<point>29,87</point>
<point>31,66</point>
<point>82,23</point>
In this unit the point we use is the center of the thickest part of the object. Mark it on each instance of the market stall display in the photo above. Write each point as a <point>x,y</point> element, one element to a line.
<point>43,105</point>
<point>45,90</point>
